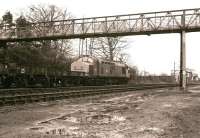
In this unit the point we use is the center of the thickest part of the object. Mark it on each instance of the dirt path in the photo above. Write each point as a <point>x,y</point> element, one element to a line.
<point>159,113</point>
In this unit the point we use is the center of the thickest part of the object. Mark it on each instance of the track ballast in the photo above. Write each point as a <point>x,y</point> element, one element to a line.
<point>30,95</point>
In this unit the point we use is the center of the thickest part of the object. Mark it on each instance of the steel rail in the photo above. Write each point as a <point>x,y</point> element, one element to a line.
<point>43,96</point>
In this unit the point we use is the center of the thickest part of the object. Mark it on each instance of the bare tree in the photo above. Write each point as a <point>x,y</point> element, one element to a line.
<point>8,18</point>
<point>54,52</point>
<point>45,13</point>
<point>123,57</point>
<point>48,14</point>
<point>110,48</point>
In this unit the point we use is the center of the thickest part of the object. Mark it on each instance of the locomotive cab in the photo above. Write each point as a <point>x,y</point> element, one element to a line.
<point>85,64</point>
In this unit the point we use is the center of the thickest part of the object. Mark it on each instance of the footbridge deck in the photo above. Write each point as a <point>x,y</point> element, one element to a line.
<point>119,25</point>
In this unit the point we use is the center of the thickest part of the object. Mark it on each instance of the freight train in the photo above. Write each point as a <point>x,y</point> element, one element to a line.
<point>85,71</point>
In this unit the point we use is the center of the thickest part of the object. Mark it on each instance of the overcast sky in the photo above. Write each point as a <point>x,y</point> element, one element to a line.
<point>155,53</point>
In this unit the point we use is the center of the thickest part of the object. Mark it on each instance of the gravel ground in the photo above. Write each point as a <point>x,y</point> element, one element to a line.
<point>161,113</point>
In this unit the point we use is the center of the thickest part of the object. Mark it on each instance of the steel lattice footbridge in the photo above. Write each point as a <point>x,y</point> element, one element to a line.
<point>175,21</point>
<point>119,25</point>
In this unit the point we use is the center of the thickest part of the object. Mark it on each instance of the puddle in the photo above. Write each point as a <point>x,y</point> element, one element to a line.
<point>151,129</point>
<point>194,91</point>
<point>118,118</point>
<point>187,98</point>
<point>70,119</point>
<point>182,105</point>
<point>138,108</point>
<point>73,128</point>
<point>45,123</point>
<point>119,98</point>
<point>44,104</point>
<point>104,119</point>
<point>167,105</point>
<point>116,135</point>
<point>160,90</point>
<point>60,131</point>
<point>36,128</point>
<point>111,134</point>
<point>99,119</point>
<point>139,100</point>
<point>57,131</point>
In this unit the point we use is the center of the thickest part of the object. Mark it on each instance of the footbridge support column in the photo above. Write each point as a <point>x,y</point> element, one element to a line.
<point>183,61</point>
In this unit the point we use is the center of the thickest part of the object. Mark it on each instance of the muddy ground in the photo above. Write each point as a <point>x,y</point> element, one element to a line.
<point>161,113</point>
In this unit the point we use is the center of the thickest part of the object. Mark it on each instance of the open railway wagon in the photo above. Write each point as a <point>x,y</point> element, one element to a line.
<point>12,75</point>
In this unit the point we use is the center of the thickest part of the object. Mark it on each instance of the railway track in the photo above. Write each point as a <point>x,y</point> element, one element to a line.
<point>28,95</point>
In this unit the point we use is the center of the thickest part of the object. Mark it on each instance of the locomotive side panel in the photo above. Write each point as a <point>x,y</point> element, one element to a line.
<point>106,68</point>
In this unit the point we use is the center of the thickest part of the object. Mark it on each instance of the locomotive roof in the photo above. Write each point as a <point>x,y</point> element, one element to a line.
<point>86,59</point>
<point>91,59</point>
